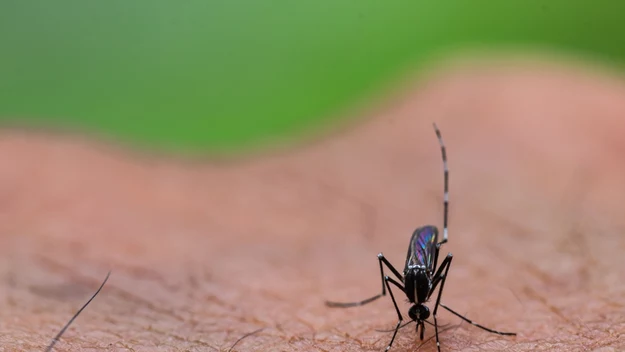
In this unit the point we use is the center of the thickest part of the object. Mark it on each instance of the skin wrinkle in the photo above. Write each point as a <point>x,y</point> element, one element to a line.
<point>204,252</point>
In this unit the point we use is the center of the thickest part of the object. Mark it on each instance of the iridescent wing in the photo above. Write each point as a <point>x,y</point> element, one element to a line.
<point>422,248</point>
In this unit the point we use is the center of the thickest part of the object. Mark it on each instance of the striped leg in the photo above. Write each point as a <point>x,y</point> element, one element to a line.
<point>446,189</point>
<point>443,278</point>
<point>478,325</point>
<point>399,317</point>
<point>383,261</point>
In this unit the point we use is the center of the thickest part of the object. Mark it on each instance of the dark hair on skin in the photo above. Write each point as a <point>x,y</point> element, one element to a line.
<point>58,336</point>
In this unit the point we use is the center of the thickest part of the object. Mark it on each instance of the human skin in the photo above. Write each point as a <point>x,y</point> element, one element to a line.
<point>204,252</point>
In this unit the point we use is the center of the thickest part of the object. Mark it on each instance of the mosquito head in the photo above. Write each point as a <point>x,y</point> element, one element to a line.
<point>419,312</point>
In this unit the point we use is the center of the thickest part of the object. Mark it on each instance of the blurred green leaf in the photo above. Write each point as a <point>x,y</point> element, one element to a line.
<point>223,74</point>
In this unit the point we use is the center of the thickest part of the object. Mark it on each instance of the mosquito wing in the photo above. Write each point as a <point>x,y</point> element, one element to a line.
<point>422,248</point>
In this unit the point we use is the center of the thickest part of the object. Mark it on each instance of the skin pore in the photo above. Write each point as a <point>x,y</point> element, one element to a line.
<point>204,253</point>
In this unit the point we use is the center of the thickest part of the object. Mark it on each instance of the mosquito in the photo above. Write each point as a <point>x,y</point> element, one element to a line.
<point>421,274</point>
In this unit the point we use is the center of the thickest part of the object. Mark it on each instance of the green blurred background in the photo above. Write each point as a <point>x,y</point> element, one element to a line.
<point>226,75</point>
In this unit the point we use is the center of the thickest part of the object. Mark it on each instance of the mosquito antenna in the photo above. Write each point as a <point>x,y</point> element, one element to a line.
<point>58,336</point>
<point>412,321</point>
<point>425,321</point>
<point>244,336</point>
<point>446,189</point>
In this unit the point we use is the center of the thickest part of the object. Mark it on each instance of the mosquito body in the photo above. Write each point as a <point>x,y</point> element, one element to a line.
<point>421,275</point>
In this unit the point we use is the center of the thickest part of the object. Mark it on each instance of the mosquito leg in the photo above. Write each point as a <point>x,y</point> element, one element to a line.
<point>476,324</point>
<point>386,281</point>
<point>383,261</point>
<point>438,247</point>
<point>446,189</point>
<point>438,276</point>
<point>443,277</point>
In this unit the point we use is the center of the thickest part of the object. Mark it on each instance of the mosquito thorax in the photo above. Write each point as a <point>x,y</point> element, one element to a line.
<point>417,284</point>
